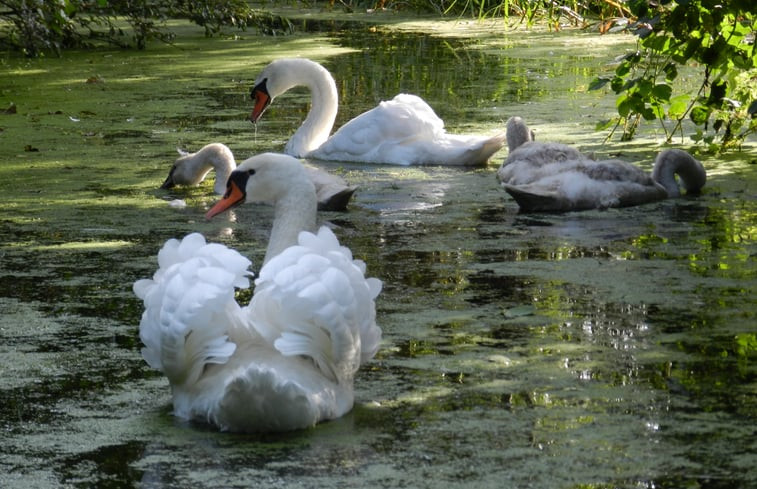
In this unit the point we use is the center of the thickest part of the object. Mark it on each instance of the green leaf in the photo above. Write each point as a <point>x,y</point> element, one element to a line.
<point>624,105</point>
<point>638,103</point>
<point>623,69</point>
<point>599,82</point>
<point>671,71</point>
<point>617,84</point>
<point>69,8</point>
<point>662,91</point>
<point>645,87</point>
<point>657,42</point>
<point>742,62</point>
<point>690,48</point>
<point>678,106</point>
<point>699,115</point>
<point>648,113</point>
<point>659,111</point>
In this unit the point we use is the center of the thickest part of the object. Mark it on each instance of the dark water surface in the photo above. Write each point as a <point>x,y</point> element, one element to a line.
<point>602,349</point>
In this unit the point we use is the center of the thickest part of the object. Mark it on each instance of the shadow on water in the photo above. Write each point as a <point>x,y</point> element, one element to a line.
<point>598,349</point>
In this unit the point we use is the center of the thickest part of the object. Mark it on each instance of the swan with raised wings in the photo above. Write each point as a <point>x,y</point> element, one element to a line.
<point>401,131</point>
<point>331,191</point>
<point>555,177</point>
<point>288,359</point>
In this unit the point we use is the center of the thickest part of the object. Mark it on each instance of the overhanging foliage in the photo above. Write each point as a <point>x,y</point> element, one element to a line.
<point>719,39</point>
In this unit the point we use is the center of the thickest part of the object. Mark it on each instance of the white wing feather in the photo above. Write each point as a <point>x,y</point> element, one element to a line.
<point>190,309</point>
<point>314,300</point>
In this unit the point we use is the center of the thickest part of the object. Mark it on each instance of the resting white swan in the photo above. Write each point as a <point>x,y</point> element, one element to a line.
<point>287,360</point>
<point>332,192</point>
<point>556,177</point>
<point>401,131</point>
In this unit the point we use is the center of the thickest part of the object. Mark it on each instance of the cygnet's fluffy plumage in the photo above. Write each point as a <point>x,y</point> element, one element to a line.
<point>285,361</point>
<point>401,131</point>
<point>556,177</point>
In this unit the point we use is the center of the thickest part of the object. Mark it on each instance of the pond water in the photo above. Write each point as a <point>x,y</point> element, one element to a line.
<point>600,349</point>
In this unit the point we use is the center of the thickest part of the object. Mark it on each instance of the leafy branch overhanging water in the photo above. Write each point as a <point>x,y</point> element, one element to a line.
<point>719,38</point>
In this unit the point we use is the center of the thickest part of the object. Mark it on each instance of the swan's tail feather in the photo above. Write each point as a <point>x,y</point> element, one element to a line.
<point>314,300</point>
<point>492,145</point>
<point>337,201</point>
<point>190,309</point>
<point>469,150</point>
<point>277,404</point>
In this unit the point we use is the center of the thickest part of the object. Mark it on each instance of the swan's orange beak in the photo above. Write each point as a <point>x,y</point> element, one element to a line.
<point>259,94</point>
<point>233,196</point>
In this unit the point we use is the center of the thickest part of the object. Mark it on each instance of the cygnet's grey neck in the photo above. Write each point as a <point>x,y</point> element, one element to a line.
<point>517,133</point>
<point>672,162</point>
<point>214,156</point>
<point>223,162</point>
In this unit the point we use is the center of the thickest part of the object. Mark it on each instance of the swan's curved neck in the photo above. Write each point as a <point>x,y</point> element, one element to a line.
<point>672,162</point>
<point>293,213</point>
<point>316,127</point>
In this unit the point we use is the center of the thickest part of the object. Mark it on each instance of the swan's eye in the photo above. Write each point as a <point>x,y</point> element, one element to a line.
<point>251,172</point>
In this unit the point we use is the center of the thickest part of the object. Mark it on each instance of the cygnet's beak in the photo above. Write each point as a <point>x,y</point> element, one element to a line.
<point>169,183</point>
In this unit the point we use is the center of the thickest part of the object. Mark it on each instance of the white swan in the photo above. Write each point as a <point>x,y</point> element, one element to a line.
<point>401,131</point>
<point>556,177</point>
<point>332,192</point>
<point>287,360</point>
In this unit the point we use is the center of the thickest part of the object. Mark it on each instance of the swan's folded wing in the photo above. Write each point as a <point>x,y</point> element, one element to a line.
<point>314,300</point>
<point>380,134</point>
<point>190,309</point>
